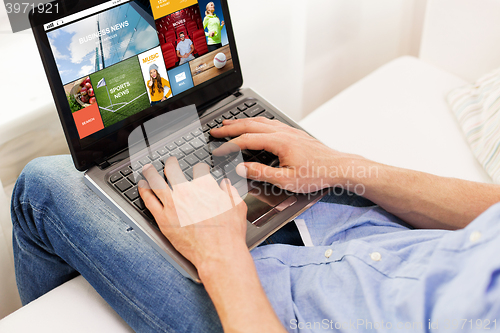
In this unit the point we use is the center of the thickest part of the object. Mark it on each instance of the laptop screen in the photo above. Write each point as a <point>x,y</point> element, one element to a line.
<point>121,57</point>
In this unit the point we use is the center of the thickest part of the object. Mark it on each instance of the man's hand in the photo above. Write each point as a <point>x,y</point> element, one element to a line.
<point>206,223</point>
<point>423,200</point>
<point>306,165</point>
<point>202,220</point>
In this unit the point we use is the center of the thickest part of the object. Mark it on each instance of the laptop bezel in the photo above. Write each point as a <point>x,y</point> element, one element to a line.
<point>98,150</point>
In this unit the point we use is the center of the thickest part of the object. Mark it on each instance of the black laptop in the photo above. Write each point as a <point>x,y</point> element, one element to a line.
<point>136,82</point>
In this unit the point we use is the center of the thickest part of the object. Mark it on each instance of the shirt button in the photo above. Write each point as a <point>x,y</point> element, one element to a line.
<point>475,236</point>
<point>328,253</point>
<point>375,256</point>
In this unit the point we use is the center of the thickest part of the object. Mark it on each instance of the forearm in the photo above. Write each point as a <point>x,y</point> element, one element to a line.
<point>234,287</point>
<point>421,199</point>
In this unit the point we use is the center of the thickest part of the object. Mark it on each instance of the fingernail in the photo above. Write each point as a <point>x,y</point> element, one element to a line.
<point>228,121</point>
<point>146,167</point>
<point>241,170</point>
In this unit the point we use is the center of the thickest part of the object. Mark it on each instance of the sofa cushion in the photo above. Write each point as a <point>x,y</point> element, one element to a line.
<point>8,290</point>
<point>477,108</point>
<point>73,307</point>
<point>398,115</point>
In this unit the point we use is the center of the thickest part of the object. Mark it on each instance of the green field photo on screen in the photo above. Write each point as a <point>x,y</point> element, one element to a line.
<point>120,91</point>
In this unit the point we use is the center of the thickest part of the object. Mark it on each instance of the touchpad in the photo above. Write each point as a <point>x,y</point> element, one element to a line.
<point>265,201</point>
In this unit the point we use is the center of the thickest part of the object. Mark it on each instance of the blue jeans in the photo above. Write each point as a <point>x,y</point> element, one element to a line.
<point>62,229</point>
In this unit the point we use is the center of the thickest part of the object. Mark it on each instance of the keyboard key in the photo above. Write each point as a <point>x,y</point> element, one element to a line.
<point>208,160</point>
<point>183,165</point>
<point>250,103</point>
<point>234,111</point>
<point>162,152</point>
<point>179,142</point>
<point>164,158</point>
<point>227,115</point>
<point>171,146</point>
<point>237,161</point>
<point>196,143</point>
<point>233,177</point>
<point>256,110</point>
<point>188,137</point>
<point>154,156</point>
<point>115,177</point>
<point>226,166</point>
<point>132,194</point>
<point>123,185</point>
<point>136,166</point>
<point>191,159</point>
<point>268,115</point>
<point>198,132</point>
<point>145,160</point>
<point>201,154</point>
<point>140,204</point>
<point>126,171</point>
<point>241,116</point>
<point>212,124</point>
<point>150,216</point>
<point>189,173</point>
<point>246,155</point>
<point>205,128</point>
<point>177,154</point>
<point>133,177</point>
<point>264,158</point>
<point>242,107</point>
<point>219,119</point>
<point>217,173</point>
<point>187,149</point>
<point>158,165</point>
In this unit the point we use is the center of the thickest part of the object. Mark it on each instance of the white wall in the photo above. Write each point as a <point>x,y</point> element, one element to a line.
<point>299,54</point>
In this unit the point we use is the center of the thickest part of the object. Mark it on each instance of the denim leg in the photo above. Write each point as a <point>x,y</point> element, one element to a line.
<point>61,229</point>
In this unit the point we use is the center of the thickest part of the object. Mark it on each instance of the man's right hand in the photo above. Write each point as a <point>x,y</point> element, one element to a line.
<point>306,165</point>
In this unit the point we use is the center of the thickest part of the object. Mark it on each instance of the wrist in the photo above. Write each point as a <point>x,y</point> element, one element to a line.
<point>222,263</point>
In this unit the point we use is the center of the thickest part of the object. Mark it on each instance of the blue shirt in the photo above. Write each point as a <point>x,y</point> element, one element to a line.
<point>368,272</point>
<point>184,46</point>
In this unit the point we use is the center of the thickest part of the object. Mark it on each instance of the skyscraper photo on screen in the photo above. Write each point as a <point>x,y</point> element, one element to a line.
<point>103,40</point>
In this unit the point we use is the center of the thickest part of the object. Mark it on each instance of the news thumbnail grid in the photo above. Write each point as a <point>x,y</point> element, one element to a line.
<point>120,68</point>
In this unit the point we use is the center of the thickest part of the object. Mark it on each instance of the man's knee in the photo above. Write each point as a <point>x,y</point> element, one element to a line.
<point>44,174</point>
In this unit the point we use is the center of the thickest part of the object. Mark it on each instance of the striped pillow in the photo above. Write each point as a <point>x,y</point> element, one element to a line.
<point>477,108</point>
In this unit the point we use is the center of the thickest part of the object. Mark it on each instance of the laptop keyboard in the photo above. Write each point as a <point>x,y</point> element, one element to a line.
<point>190,149</point>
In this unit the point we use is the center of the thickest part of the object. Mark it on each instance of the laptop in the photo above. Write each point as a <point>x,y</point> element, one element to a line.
<point>137,81</point>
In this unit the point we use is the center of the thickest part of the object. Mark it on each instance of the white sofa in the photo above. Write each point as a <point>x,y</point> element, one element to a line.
<point>397,115</point>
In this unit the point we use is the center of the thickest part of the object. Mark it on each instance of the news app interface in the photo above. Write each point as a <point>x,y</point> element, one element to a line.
<point>121,57</point>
